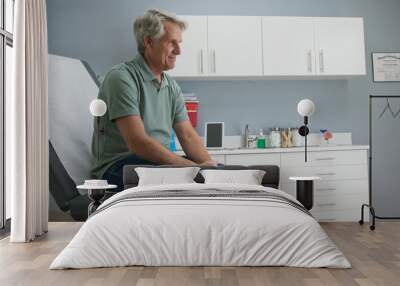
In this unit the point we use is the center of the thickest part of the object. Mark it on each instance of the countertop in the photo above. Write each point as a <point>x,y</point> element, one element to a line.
<point>226,151</point>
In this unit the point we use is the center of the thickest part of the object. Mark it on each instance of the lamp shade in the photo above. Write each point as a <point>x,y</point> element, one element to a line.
<point>98,107</point>
<point>305,107</point>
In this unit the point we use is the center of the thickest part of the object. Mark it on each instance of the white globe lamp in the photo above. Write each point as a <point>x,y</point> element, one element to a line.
<point>305,108</point>
<point>98,108</point>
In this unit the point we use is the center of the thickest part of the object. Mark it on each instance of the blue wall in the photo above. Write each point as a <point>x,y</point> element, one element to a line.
<point>100,32</point>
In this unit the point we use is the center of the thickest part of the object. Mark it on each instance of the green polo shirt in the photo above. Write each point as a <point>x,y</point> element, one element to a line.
<point>131,89</point>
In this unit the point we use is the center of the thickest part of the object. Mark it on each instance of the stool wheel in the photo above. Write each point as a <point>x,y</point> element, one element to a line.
<point>361,222</point>
<point>372,227</point>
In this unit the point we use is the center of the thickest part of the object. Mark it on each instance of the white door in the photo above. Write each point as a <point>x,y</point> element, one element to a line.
<point>288,46</point>
<point>192,60</point>
<point>339,44</point>
<point>234,46</point>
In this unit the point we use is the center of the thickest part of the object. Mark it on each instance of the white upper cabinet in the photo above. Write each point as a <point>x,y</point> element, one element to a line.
<point>339,44</point>
<point>234,46</point>
<point>288,46</point>
<point>192,61</point>
<point>253,46</point>
<point>297,46</point>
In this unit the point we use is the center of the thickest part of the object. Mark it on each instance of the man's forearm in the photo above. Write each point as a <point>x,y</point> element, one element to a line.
<point>195,150</point>
<point>151,150</point>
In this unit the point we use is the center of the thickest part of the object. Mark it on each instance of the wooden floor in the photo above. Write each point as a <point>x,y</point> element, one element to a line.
<point>374,255</point>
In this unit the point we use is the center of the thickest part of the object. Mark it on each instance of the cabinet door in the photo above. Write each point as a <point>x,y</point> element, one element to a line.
<point>218,158</point>
<point>325,158</point>
<point>192,60</point>
<point>234,46</point>
<point>339,46</point>
<point>326,173</point>
<point>288,46</point>
<point>253,159</point>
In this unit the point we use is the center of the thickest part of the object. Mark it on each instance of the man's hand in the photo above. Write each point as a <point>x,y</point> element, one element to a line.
<point>210,163</point>
<point>192,144</point>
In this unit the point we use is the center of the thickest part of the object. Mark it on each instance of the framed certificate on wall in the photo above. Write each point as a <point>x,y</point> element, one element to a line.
<point>386,67</point>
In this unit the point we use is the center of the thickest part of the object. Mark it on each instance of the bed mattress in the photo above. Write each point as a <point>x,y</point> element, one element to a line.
<point>201,225</point>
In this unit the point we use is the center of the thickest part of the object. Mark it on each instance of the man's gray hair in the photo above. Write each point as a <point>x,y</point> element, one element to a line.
<point>151,23</point>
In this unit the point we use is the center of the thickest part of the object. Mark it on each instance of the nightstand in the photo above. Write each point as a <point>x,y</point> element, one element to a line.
<point>96,193</point>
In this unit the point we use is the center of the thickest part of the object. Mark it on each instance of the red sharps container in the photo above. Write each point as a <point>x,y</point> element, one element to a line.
<point>192,107</point>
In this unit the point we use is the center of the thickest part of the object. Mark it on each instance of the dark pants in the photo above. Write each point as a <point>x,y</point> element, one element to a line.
<point>114,174</point>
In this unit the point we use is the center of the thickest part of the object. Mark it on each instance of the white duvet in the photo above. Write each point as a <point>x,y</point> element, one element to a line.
<point>200,231</point>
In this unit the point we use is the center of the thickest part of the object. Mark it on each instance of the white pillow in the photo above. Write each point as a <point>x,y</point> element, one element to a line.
<point>248,177</point>
<point>166,176</point>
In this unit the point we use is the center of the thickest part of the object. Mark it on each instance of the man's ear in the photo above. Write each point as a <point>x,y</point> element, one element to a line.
<point>148,41</point>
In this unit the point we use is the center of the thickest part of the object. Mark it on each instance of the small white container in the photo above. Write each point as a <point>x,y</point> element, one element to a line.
<point>297,139</point>
<point>275,137</point>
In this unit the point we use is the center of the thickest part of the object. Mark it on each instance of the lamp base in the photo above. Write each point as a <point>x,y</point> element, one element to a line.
<point>95,195</point>
<point>305,193</point>
<point>303,130</point>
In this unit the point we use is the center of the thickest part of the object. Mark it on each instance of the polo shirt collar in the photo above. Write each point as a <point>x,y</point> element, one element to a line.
<point>146,72</point>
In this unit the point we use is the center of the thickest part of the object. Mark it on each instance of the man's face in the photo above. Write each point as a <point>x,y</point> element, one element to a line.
<point>164,51</point>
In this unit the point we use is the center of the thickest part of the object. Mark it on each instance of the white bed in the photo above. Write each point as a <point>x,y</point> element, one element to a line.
<point>203,231</point>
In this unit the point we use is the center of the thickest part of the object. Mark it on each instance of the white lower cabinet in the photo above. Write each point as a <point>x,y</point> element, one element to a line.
<point>325,158</point>
<point>326,173</point>
<point>340,193</point>
<point>333,199</point>
<point>343,187</point>
<point>253,159</point>
<point>335,189</point>
<point>218,158</point>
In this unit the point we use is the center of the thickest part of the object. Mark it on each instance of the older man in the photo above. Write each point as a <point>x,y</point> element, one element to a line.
<point>144,103</point>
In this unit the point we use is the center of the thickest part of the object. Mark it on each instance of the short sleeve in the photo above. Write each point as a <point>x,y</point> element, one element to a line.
<point>121,94</point>
<point>180,112</point>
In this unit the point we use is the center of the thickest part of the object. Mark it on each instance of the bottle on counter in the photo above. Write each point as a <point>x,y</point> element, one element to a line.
<point>172,145</point>
<point>261,140</point>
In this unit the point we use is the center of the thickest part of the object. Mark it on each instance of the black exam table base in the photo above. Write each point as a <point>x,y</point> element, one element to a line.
<point>372,212</point>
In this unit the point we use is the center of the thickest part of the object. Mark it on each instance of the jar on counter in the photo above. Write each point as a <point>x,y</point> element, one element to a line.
<point>275,137</point>
<point>297,139</point>
<point>287,138</point>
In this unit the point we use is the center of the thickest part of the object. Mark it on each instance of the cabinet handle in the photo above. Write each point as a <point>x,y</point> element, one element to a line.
<point>201,62</point>
<point>325,159</point>
<point>327,205</point>
<point>326,174</point>
<point>215,68</point>
<point>321,60</point>
<point>326,189</point>
<point>309,68</point>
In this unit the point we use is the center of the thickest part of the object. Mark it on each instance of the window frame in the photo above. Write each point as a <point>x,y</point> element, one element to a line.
<point>6,39</point>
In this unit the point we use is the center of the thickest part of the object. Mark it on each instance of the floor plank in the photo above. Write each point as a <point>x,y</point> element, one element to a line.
<point>374,255</point>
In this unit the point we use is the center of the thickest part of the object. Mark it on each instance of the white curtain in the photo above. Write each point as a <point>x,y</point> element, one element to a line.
<point>27,124</point>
